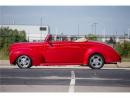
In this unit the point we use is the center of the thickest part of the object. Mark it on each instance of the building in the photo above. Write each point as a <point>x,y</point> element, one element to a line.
<point>34,33</point>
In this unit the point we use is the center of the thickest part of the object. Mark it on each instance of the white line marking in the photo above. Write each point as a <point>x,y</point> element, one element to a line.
<point>48,77</point>
<point>72,82</point>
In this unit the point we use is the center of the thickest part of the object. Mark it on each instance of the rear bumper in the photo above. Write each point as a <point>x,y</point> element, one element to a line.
<point>114,60</point>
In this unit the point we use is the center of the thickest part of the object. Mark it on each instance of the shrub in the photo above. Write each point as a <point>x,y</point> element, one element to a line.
<point>123,49</point>
<point>92,37</point>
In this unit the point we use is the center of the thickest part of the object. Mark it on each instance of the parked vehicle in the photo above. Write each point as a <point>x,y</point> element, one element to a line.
<point>91,53</point>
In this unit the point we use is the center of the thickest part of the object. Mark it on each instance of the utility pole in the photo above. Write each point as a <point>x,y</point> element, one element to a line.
<point>124,40</point>
<point>128,33</point>
<point>95,27</point>
<point>92,28</point>
<point>78,30</point>
<point>41,21</point>
<point>13,22</point>
<point>1,17</point>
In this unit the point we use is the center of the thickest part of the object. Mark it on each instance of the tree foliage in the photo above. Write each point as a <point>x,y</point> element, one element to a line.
<point>92,37</point>
<point>123,49</point>
<point>9,36</point>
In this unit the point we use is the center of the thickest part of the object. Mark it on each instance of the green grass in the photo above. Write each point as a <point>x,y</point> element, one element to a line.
<point>126,59</point>
<point>3,56</point>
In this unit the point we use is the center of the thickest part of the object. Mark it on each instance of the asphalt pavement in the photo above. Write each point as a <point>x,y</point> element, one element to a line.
<point>64,80</point>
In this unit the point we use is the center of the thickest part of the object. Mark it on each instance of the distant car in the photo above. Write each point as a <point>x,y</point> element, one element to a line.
<point>91,53</point>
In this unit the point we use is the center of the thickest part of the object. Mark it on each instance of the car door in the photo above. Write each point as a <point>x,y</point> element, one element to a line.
<point>77,50</point>
<point>63,52</point>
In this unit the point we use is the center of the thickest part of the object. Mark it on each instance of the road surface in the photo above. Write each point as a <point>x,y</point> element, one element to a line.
<point>64,80</point>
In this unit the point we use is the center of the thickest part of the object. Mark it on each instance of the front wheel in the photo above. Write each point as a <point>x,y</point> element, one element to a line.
<point>96,61</point>
<point>24,62</point>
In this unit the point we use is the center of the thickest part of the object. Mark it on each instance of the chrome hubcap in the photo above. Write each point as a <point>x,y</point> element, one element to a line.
<point>96,61</point>
<point>24,61</point>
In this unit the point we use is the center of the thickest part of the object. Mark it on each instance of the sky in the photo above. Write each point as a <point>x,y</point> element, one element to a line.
<point>71,19</point>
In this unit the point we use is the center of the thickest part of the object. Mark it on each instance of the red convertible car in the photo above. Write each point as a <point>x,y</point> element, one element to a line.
<point>91,53</point>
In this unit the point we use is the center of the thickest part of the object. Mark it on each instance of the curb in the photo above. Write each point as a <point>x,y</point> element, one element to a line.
<point>4,62</point>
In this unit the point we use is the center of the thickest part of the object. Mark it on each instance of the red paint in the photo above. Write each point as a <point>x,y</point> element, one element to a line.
<point>62,53</point>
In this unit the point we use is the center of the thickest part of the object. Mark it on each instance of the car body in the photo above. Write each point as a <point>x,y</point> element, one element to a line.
<point>27,54</point>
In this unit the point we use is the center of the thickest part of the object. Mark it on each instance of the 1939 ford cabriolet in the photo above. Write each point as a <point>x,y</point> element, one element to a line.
<point>91,53</point>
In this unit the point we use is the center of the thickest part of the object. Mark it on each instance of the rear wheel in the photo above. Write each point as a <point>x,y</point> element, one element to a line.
<point>24,62</point>
<point>96,61</point>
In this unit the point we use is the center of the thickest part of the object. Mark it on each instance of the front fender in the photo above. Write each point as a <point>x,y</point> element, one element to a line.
<point>14,54</point>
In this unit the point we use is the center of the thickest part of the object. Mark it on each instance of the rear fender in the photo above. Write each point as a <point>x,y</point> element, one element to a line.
<point>90,52</point>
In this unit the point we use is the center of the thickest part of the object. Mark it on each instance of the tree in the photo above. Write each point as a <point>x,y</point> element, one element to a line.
<point>9,36</point>
<point>123,49</point>
<point>92,37</point>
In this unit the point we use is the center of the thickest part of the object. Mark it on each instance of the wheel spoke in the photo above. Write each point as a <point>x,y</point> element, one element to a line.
<point>21,63</point>
<point>24,61</point>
